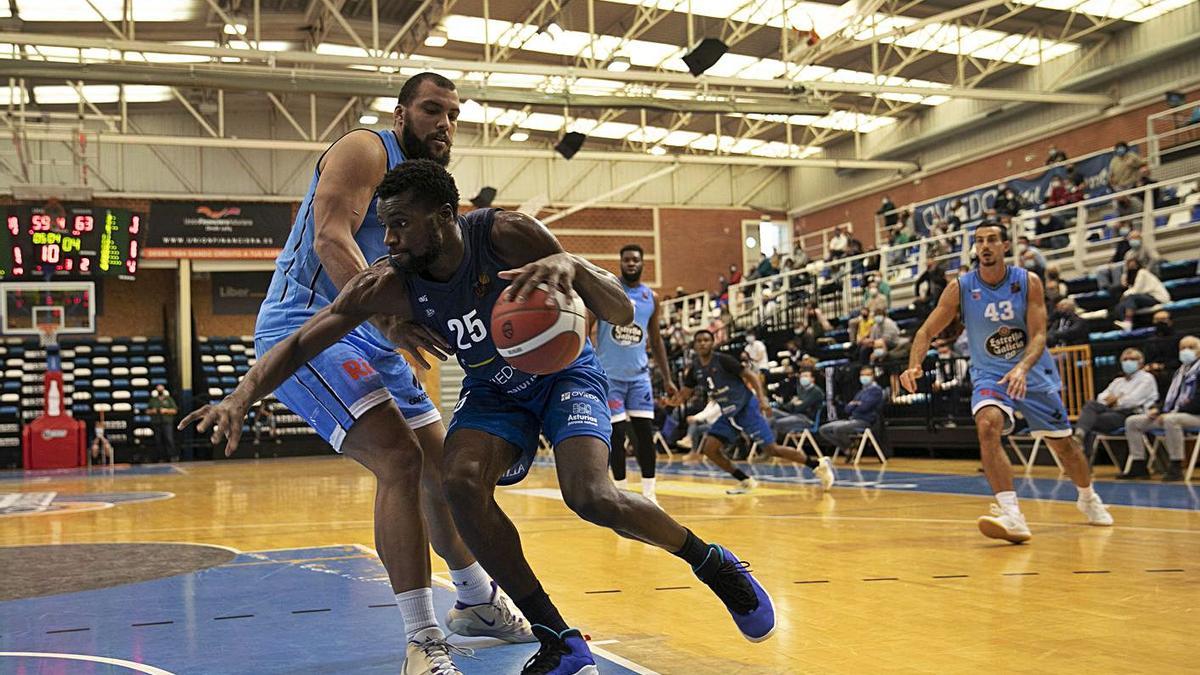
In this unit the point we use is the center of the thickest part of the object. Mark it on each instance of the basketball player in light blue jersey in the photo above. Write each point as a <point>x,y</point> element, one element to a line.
<point>622,352</point>
<point>1003,309</point>
<point>360,395</point>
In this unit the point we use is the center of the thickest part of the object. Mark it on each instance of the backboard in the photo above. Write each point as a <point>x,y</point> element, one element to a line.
<point>24,305</point>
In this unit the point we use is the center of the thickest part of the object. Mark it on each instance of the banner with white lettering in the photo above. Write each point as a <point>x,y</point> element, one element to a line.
<point>217,229</point>
<point>239,292</point>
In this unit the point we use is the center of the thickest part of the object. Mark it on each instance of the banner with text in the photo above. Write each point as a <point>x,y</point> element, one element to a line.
<point>217,230</point>
<point>239,292</point>
<point>1033,191</point>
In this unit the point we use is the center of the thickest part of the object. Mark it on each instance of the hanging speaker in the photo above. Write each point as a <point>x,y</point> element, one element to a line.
<point>570,144</point>
<point>705,55</point>
<point>484,198</point>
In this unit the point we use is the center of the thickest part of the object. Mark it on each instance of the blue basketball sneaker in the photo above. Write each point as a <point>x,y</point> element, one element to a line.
<point>563,653</point>
<point>746,599</point>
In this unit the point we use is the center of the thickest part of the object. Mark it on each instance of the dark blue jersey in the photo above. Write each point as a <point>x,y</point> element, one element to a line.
<point>460,310</point>
<point>723,378</point>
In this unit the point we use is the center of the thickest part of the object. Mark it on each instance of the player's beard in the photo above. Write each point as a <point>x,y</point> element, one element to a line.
<point>420,263</point>
<point>416,148</point>
<point>631,279</point>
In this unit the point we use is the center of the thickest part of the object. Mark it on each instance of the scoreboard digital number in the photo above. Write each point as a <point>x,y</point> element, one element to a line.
<point>69,241</point>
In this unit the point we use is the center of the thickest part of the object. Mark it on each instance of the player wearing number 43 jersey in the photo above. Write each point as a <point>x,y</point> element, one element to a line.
<point>356,391</point>
<point>622,352</point>
<point>1003,309</point>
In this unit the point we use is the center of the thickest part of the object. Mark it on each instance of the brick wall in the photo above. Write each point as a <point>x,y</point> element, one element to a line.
<point>1094,136</point>
<point>136,307</point>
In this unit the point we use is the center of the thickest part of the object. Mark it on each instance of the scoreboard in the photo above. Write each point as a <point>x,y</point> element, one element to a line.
<point>69,241</point>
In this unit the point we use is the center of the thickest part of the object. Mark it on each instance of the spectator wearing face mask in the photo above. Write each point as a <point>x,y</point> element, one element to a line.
<point>1123,167</point>
<point>958,210</point>
<point>735,277</point>
<point>1160,350</point>
<point>949,381</point>
<point>1054,156</point>
<point>838,242</point>
<point>885,334</point>
<point>1001,204</point>
<point>1180,410</point>
<point>1065,326</point>
<point>1031,257</point>
<point>888,211</point>
<point>873,299</point>
<point>801,408</point>
<point>811,328</point>
<point>1058,194</point>
<point>1135,392</point>
<point>1110,275</point>
<point>860,329</point>
<point>1142,289</point>
<point>1047,224</point>
<point>757,353</point>
<point>862,412</point>
<point>879,354</point>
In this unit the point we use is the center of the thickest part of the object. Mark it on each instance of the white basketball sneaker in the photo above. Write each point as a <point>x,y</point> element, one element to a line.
<point>650,494</point>
<point>493,618</point>
<point>428,653</point>
<point>824,472</point>
<point>1007,525</point>
<point>1095,510</point>
<point>743,487</point>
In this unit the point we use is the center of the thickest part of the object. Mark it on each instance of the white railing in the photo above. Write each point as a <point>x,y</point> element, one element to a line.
<point>901,265</point>
<point>1171,131</point>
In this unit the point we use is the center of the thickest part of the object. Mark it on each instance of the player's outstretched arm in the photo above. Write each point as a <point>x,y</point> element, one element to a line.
<point>537,257</point>
<point>939,318</point>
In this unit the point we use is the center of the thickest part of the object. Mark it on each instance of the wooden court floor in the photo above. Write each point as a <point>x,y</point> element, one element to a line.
<point>865,579</point>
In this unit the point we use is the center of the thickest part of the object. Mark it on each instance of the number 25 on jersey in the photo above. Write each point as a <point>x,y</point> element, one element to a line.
<point>467,330</point>
<point>1000,311</point>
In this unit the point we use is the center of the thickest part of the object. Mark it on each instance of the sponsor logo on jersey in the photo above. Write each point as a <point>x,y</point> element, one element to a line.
<point>568,395</point>
<point>976,294</point>
<point>430,312</point>
<point>1006,343</point>
<point>357,369</point>
<point>581,413</point>
<point>627,336</point>
<point>581,409</point>
<point>1016,287</point>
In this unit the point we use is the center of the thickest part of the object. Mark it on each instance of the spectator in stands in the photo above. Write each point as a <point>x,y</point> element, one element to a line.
<point>1055,156</point>
<point>879,354</point>
<point>698,425</point>
<point>1047,223</point>
<point>800,408</point>
<point>873,299</point>
<point>1110,275</point>
<point>1058,195</point>
<point>862,412</point>
<point>735,277</point>
<point>1123,167</point>
<point>991,216</point>
<point>811,328</point>
<point>1056,288</point>
<point>162,410</point>
<point>718,324</point>
<point>1125,213</point>
<point>897,238</point>
<point>1135,392</point>
<point>875,280</point>
<point>930,285</point>
<point>950,380</point>
<point>1031,256</point>
<point>888,210</point>
<point>860,330</point>
<point>767,267</point>
<point>1160,198</point>
<point>101,448</point>
<point>1160,350</point>
<point>1142,289</point>
<point>1003,196</point>
<point>958,210</point>
<point>885,329</point>
<point>838,242</point>
<point>757,352</point>
<point>1180,410</point>
<point>679,292</point>
<point>794,352</point>
<point>1075,179</point>
<point>722,290</point>
<point>1065,326</point>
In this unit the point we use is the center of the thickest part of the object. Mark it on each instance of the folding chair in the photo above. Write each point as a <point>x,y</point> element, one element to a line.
<point>1156,436</point>
<point>660,442</point>
<point>1033,453</point>
<point>797,439</point>
<point>1104,439</point>
<point>868,436</point>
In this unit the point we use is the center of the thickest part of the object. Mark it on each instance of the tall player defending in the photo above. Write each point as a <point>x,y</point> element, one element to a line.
<point>1004,310</point>
<point>359,394</point>
<point>739,392</point>
<point>446,272</point>
<point>622,352</point>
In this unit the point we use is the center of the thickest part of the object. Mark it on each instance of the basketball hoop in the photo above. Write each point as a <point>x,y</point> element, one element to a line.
<point>47,334</point>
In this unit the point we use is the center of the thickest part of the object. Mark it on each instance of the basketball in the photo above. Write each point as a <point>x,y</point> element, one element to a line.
<point>538,338</point>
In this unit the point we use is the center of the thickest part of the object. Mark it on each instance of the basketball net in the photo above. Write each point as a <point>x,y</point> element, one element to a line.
<point>47,334</point>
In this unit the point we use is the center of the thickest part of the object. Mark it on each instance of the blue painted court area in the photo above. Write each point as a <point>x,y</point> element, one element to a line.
<point>117,470</point>
<point>1149,494</point>
<point>319,610</point>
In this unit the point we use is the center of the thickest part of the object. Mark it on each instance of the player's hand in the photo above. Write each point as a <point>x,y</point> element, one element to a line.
<point>1016,381</point>
<point>225,419</point>
<point>556,270</point>
<point>766,410</point>
<point>908,378</point>
<point>672,391</point>
<point>412,337</point>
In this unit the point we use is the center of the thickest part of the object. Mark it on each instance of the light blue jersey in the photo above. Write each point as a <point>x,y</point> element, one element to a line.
<point>994,317</point>
<point>622,349</point>
<point>300,285</point>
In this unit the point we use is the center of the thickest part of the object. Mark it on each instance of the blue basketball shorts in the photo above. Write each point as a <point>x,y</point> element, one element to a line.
<point>569,403</point>
<point>1043,410</point>
<point>631,398</point>
<point>749,420</point>
<point>346,380</point>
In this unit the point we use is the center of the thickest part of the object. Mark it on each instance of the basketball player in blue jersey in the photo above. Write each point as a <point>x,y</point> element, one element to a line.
<point>1004,312</point>
<point>622,352</point>
<point>739,392</point>
<point>359,394</point>
<point>444,274</point>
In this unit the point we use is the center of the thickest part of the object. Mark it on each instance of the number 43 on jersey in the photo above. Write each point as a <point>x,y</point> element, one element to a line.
<point>1000,311</point>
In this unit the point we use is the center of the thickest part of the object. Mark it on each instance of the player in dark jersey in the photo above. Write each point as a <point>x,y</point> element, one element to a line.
<point>442,278</point>
<point>739,392</point>
<point>622,352</point>
<point>1004,311</point>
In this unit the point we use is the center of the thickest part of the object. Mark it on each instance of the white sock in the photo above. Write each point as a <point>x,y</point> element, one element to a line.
<point>416,609</point>
<point>622,484</point>
<point>647,486</point>
<point>473,585</point>
<point>1086,492</point>
<point>1008,501</point>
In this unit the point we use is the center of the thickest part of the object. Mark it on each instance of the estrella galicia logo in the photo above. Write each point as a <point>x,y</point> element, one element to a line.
<point>627,336</point>
<point>1006,343</point>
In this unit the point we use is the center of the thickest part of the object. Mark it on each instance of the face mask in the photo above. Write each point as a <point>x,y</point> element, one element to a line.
<point>1044,221</point>
<point>1029,264</point>
<point>1121,151</point>
<point>1187,356</point>
<point>1135,243</point>
<point>944,356</point>
<point>879,352</point>
<point>806,382</point>
<point>1130,366</point>
<point>1021,248</point>
<point>1124,231</point>
<point>865,379</point>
